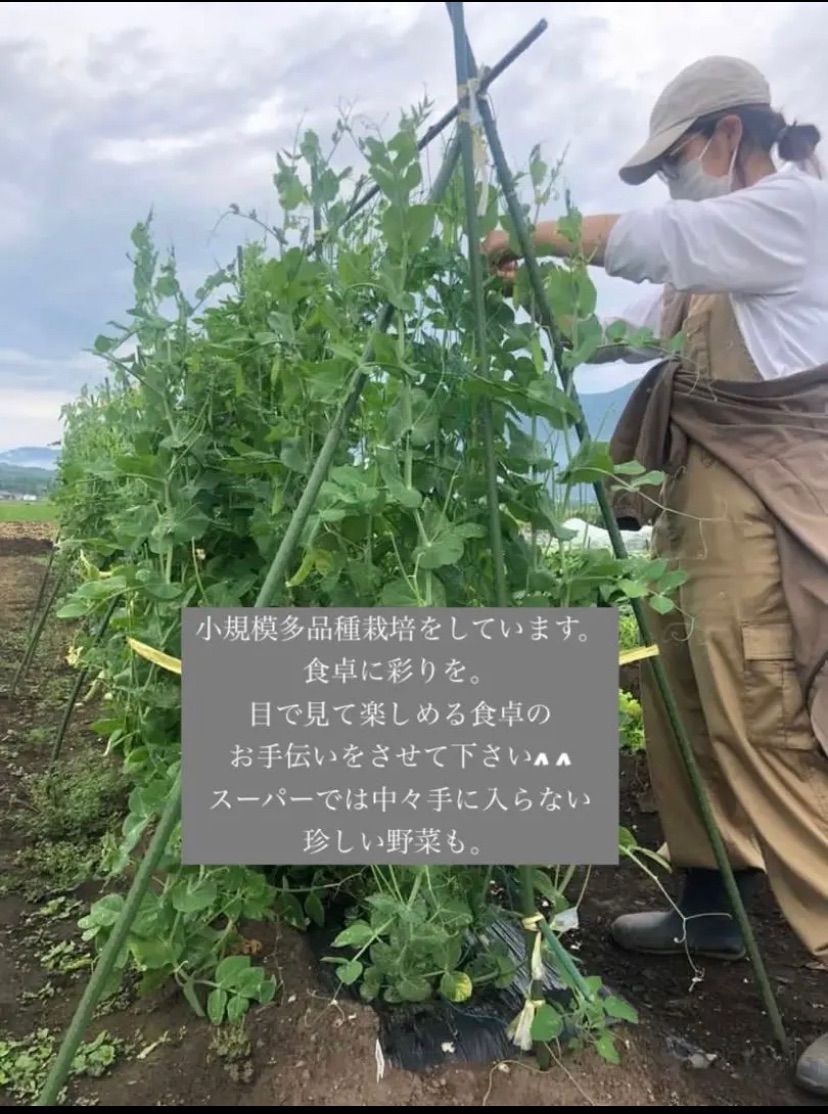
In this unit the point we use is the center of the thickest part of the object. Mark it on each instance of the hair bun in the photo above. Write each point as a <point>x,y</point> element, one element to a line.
<point>797,142</point>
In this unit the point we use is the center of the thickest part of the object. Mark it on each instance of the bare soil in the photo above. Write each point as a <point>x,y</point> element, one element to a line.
<point>304,1049</point>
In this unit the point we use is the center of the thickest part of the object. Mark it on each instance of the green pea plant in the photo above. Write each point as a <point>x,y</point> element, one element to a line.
<point>178,478</point>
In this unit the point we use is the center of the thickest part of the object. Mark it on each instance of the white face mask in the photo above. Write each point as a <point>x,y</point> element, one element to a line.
<point>690,181</point>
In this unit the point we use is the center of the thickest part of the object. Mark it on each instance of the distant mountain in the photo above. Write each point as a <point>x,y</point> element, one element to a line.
<point>602,411</point>
<point>31,457</point>
<point>15,480</point>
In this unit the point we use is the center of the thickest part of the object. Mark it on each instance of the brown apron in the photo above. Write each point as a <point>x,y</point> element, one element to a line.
<point>728,655</point>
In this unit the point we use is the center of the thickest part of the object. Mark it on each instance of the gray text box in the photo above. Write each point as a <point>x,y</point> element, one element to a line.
<point>393,735</point>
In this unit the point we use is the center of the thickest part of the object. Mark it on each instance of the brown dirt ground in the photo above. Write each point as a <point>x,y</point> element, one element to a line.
<point>307,1051</point>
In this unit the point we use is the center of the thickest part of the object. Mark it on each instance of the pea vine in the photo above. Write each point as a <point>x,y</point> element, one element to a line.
<point>179,476</point>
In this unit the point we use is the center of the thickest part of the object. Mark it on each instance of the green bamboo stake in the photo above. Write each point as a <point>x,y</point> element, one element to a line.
<point>172,810</point>
<point>112,949</point>
<point>463,74</point>
<point>681,737</point>
<point>79,683</point>
<point>34,641</point>
<point>42,592</point>
<point>478,304</point>
<point>564,960</point>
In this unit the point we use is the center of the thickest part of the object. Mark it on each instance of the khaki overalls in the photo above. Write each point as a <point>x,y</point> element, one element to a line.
<point>727,652</point>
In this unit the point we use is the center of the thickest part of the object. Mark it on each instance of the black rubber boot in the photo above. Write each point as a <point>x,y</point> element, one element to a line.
<point>709,929</point>
<point>812,1069</point>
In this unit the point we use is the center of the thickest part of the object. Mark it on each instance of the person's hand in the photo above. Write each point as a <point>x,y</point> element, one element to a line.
<point>501,259</point>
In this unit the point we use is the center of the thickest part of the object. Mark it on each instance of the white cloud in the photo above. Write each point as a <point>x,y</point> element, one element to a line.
<point>17,214</point>
<point>30,417</point>
<point>132,152</point>
<point>21,370</point>
<point>107,110</point>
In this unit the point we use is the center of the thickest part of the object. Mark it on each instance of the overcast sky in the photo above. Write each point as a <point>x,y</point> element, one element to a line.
<point>110,109</point>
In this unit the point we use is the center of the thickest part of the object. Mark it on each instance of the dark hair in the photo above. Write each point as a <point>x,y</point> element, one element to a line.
<point>764,128</point>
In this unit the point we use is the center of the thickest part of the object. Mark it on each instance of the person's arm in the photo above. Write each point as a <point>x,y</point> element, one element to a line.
<point>591,244</point>
<point>549,241</point>
<point>752,241</point>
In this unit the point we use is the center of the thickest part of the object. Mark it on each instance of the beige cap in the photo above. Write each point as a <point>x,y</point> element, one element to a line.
<point>710,85</point>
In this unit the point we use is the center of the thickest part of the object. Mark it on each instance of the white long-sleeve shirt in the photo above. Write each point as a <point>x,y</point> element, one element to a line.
<point>766,246</point>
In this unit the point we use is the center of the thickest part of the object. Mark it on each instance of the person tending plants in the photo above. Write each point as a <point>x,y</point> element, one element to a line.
<point>739,422</point>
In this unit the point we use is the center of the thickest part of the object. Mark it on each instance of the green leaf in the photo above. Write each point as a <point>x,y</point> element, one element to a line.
<point>547,1024</point>
<point>590,464</point>
<point>267,991</point>
<point>249,983</point>
<point>617,331</point>
<point>385,958</point>
<point>413,989</point>
<point>107,910</point>
<point>230,969</point>
<point>390,472</point>
<point>663,605</point>
<point>289,186</point>
<point>618,1008</point>
<point>289,908</point>
<point>630,468</point>
<point>548,401</point>
<point>589,337</point>
<point>166,286</point>
<point>371,984</point>
<point>151,953</point>
<point>543,884</point>
<point>456,986</point>
<point>537,167</point>
<point>570,226</point>
<point>414,413</point>
<point>151,981</point>
<point>393,229</point>
<point>187,899</point>
<point>419,224</point>
<point>326,381</point>
<point>237,1007</point>
<point>191,995</point>
<point>605,1047</point>
<point>216,1003</point>
<point>315,909</point>
<point>293,455</point>
<point>398,593</point>
<point>74,609</point>
<point>632,589</point>
<point>388,906</point>
<point>182,525</point>
<point>593,984</point>
<point>447,544</point>
<point>407,229</point>
<point>356,935</point>
<point>449,953</point>
<point>348,973</point>
<point>671,580</point>
<point>133,828</point>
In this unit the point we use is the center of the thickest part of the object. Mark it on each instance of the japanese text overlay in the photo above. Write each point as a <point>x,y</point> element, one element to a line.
<point>394,735</point>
